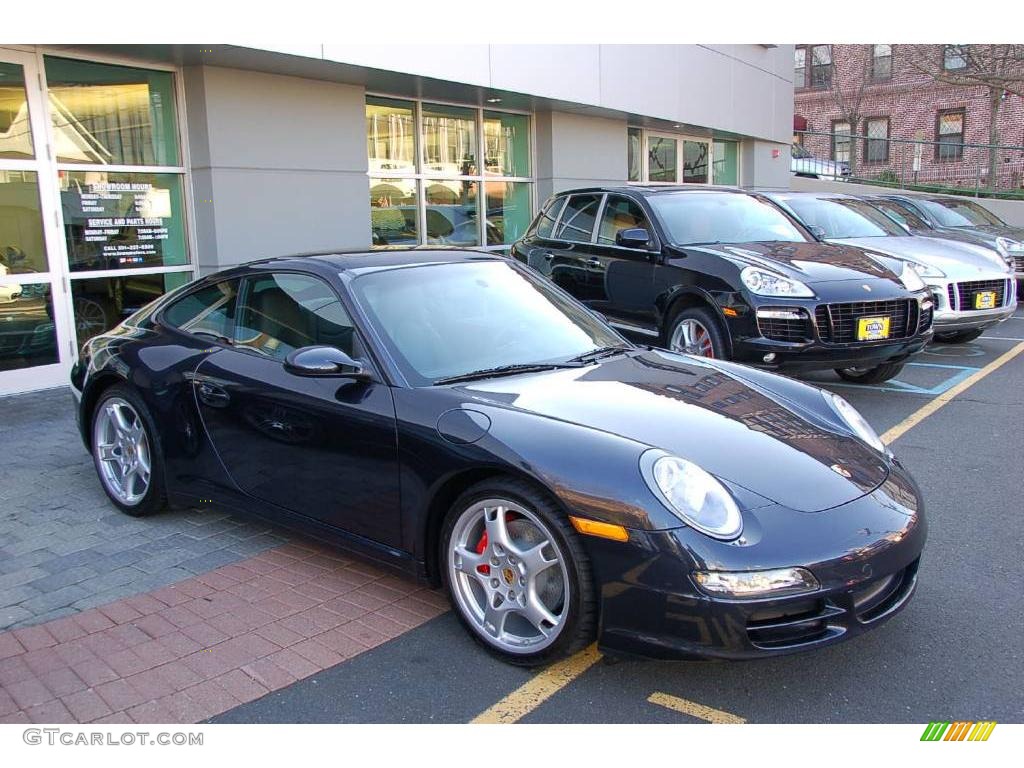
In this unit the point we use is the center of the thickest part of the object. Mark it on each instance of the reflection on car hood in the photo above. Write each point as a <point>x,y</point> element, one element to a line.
<point>738,432</point>
<point>991,231</point>
<point>956,259</point>
<point>808,262</point>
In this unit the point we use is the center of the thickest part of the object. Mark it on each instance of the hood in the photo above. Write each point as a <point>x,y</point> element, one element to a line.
<point>810,262</point>
<point>991,231</point>
<point>959,260</point>
<point>742,434</point>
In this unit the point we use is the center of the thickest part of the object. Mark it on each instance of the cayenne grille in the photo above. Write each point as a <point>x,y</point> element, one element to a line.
<point>784,329</point>
<point>951,292</point>
<point>925,321</point>
<point>966,291</point>
<point>837,323</point>
<point>1019,262</point>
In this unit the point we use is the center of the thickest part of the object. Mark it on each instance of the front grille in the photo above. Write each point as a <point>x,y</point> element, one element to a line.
<point>837,323</point>
<point>951,292</point>
<point>966,291</point>
<point>797,624</point>
<point>877,598</point>
<point>925,321</point>
<point>784,329</point>
<point>1019,261</point>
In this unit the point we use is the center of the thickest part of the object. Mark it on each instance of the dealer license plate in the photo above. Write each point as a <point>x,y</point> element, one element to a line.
<point>985,300</point>
<point>872,328</point>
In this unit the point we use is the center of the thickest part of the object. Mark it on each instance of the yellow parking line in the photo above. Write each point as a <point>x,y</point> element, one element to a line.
<point>539,688</point>
<point>933,405</point>
<point>694,709</point>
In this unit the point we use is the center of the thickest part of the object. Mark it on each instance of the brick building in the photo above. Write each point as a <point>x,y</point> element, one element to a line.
<point>900,102</point>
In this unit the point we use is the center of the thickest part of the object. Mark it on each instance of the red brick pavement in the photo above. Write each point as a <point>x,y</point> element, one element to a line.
<point>199,647</point>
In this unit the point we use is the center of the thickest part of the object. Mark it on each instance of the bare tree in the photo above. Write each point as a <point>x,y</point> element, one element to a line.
<point>997,67</point>
<point>851,77</point>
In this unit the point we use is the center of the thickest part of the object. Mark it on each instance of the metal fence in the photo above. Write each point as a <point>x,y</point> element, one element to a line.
<point>946,166</point>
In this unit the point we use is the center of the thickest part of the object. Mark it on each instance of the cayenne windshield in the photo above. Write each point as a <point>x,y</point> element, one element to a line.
<point>448,320</point>
<point>840,218</point>
<point>960,213</point>
<point>704,218</point>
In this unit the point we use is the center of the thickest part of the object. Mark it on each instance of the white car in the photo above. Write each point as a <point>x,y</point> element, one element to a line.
<point>973,287</point>
<point>8,291</point>
<point>807,165</point>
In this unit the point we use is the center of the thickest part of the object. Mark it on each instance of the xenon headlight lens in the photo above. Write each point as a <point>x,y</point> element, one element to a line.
<point>765,283</point>
<point>854,420</point>
<point>695,496</point>
<point>778,581</point>
<point>1008,249</point>
<point>914,271</point>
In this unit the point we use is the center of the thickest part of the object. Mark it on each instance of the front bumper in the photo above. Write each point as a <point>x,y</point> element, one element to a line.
<point>864,554</point>
<point>952,313</point>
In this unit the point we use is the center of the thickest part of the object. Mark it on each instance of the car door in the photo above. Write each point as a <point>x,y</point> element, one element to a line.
<point>566,225</point>
<point>320,447</point>
<point>622,278</point>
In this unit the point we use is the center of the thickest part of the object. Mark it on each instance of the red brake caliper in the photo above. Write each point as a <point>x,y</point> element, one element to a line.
<point>480,547</point>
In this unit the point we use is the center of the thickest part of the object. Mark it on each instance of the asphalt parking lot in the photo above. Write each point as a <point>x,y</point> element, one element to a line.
<point>953,654</point>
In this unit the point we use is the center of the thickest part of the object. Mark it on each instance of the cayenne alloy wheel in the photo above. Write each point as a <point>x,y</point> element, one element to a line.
<point>508,576</point>
<point>693,338</point>
<point>122,450</point>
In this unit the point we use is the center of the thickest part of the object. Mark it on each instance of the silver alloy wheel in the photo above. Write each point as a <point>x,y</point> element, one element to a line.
<point>121,447</point>
<point>515,590</point>
<point>690,336</point>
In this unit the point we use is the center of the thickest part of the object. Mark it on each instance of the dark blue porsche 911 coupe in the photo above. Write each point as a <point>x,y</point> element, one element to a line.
<point>453,414</point>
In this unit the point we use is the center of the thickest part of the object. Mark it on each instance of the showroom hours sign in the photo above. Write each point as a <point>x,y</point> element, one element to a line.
<point>112,225</point>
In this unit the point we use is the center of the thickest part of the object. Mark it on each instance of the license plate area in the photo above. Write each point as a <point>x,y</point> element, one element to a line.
<point>985,300</point>
<point>872,328</point>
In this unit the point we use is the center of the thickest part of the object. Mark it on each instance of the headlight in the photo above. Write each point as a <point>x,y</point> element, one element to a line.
<point>922,270</point>
<point>775,582</point>
<point>854,421</point>
<point>1008,249</point>
<point>765,283</point>
<point>691,493</point>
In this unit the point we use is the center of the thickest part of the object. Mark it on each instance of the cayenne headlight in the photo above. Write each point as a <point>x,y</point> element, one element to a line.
<point>1008,249</point>
<point>765,283</point>
<point>854,420</point>
<point>696,497</point>
<point>912,275</point>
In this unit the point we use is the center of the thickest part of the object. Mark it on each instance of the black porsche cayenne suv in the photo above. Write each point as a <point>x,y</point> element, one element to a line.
<point>725,273</point>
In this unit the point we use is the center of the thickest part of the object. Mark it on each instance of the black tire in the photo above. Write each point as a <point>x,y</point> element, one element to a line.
<point>959,337</point>
<point>155,498</point>
<point>875,375</point>
<point>580,623</point>
<point>704,316</point>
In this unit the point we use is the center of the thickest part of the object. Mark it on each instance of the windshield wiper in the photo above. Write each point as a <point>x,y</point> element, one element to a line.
<point>503,370</point>
<point>214,336</point>
<point>597,354</point>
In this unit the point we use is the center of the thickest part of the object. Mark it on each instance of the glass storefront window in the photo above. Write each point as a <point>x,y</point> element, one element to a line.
<point>695,162</point>
<point>661,159</point>
<point>101,303</point>
<point>122,220</point>
<point>507,139</point>
<point>634,154</point>
<point>22,249</point>
<point>452,212</point>
<point>15,130</point>
<point>393,212</point>
<point>449,141</point>
<point>105,114</point>
<point>390,135</point>
<point>28,336</point>
<point>508,211</point>
<point>726,163</point>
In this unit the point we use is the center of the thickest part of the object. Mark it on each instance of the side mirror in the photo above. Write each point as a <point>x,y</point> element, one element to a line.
<point>324,361</point>
<point>817,231</point>
<point>633,238</point>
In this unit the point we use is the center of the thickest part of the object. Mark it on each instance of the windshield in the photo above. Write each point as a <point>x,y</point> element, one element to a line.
<point>444,320</point>
<point>702,218</point>
<point>841,218</point>
<point>960,213</point>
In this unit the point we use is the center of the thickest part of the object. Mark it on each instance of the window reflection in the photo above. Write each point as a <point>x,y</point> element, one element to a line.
<point>393,216</point>
<point>508,211</point>
<point>507,139</point>
<point>15,131</point>
<point>22,249</point>
<point>390,135</point>
<point>449,141</point>
<point>452,217</point>
<point>695,162</point>
<point>661,159</point>
<point>28,336</point>
<point>101,303</point>
<point>111,115</point>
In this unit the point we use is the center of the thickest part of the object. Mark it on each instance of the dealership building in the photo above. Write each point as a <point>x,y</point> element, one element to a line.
<point>126,171</point>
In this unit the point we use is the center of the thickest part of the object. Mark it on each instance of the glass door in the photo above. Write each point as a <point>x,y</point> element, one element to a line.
<point>35,340</point>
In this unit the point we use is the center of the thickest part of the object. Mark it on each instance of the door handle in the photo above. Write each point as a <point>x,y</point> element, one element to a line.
<point>213,395</point>
<point>548,256</point>
<point>593,261</point>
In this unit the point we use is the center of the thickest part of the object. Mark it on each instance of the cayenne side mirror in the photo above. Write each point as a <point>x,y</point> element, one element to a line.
<point>324,361</point>
<point>633,238</point>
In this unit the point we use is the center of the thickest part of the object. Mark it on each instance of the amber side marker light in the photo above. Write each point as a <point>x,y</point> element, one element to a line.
<point>730,312</point>
<point>601,530</point>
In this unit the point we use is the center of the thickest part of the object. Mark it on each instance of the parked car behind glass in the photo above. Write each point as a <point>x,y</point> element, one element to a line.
<point>807,165</point>
<point>972,287</point>
<point>724,273</point>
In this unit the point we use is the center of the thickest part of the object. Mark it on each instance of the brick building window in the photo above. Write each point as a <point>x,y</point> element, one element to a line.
<point>876,143</point>
<point>800,67</point>
<point>841,141</point>
<point>949,133</point>
<point>821,66</point>
<point>881,62</point>
<point>954,57</point>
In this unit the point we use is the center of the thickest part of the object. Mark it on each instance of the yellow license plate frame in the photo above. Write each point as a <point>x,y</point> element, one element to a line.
<point>985,300</point>
<point>873,328</point>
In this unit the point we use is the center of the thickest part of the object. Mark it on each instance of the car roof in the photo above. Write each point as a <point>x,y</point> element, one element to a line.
<point>343,259</point>
<point>806,193</point>
<point>649,190</point>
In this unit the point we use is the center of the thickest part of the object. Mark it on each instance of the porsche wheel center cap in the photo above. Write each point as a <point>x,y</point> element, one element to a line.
<point>509,575</point>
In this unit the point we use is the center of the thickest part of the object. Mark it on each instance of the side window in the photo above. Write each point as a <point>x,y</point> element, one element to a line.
<point>910,215</point>
<point>577,222</point>
<point>282,312</point>
<point>546,221</point>
<point>209,311</point>
<point>620,213</point>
